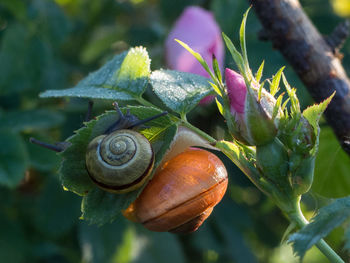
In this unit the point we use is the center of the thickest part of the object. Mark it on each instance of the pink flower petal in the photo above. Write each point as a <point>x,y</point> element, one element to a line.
<point>236,90</point>
<point>197,28</point>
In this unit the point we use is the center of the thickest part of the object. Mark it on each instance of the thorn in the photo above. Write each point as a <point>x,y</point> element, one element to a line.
<point>337,38</point>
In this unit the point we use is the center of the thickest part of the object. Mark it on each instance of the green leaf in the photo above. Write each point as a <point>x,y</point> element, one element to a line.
<point>180,91</point>
<point>104,241</point>
<point>28,120</point>
<point>99,206</point>
<point>274,86</point>
<point>16,7</point>
<point>242,39</point>
<point>125,77</point>
<point>13,159</point>
<point>328,218</point>
<point>331,171</point>
<point>237,57</point>
<point>199,58</point>
<point>89,92</point>
<point>314,112</point>
<point>347,239</point>
<point>133,75</point>
<point>158,248</point>
<point>57,211</point>
<point>86,88</point>
<point>14,238</point>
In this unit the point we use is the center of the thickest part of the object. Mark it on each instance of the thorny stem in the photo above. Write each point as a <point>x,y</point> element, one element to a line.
<point>297,217</point>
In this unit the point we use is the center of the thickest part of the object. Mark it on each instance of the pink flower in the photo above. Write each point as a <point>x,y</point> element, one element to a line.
<point>236,91</point>
<point>249,120</point>
<point>197,28</point>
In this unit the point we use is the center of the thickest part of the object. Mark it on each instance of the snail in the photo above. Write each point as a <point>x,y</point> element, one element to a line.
<point>182,193</point>
<point>121,160</point>
<point>184,189</point>
<point>186,186</point>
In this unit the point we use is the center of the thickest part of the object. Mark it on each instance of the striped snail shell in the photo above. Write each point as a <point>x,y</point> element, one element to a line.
<point>121,161</point>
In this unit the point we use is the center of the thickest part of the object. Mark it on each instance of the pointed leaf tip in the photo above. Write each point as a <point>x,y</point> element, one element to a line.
<point>314,112</point>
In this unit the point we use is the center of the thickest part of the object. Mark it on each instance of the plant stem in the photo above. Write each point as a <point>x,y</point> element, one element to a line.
<point>145,102</point>
<point>184,122</point>
<point>199,132</point>
<point>298,217</point>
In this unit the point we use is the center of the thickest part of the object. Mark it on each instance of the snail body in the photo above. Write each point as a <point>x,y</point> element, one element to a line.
<point>182,193</point>
<point>121,161</point>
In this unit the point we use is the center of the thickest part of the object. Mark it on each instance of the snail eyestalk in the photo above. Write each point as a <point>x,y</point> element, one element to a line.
<point>129,121</point>
<point>57,147</point>
<point>148,119</point>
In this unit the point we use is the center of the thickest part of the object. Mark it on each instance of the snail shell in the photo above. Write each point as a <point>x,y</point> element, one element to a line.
<point>121,161</point>
<point>182,193</point>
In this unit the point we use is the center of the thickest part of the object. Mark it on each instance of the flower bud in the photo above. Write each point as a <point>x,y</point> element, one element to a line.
<point>197,28</point>
<point>272,160</point>
<point>298,136</point>
<point>250,118</point>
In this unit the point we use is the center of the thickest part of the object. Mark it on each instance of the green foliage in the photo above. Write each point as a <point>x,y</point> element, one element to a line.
<point>180,91</point>
<point>327,218</point>
<point>13,158</point>
<point>49,46</point>
<point>347,239</point>
<point>331,172</point>
<point>314,112</point>
<point>25,120</point>
<point>55,202</point>
<point>125,77</point>
<point>151,247</point>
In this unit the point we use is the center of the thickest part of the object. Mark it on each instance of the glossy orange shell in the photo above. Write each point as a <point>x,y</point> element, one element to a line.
<point>182,193</point>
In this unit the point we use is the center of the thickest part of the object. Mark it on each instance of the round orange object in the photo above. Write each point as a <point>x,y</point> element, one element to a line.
<point>182,193</point>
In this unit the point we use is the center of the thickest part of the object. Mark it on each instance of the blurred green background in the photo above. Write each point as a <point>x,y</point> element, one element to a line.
<point>53,44</point>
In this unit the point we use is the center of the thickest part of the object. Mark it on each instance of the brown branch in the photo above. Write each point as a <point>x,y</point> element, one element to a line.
<point>314,59</point>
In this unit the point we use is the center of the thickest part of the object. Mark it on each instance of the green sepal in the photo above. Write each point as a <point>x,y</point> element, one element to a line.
<point>314,112</point>
<point>216,69</point>
<point>274,86</point>
<point>294,101</point>
<point>259,73</point>
<point>242,41</point>
<point>260,127</point>
<point>237,57</point>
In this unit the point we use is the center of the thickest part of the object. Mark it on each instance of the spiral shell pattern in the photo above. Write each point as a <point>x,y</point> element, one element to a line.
<point>121,161</point>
